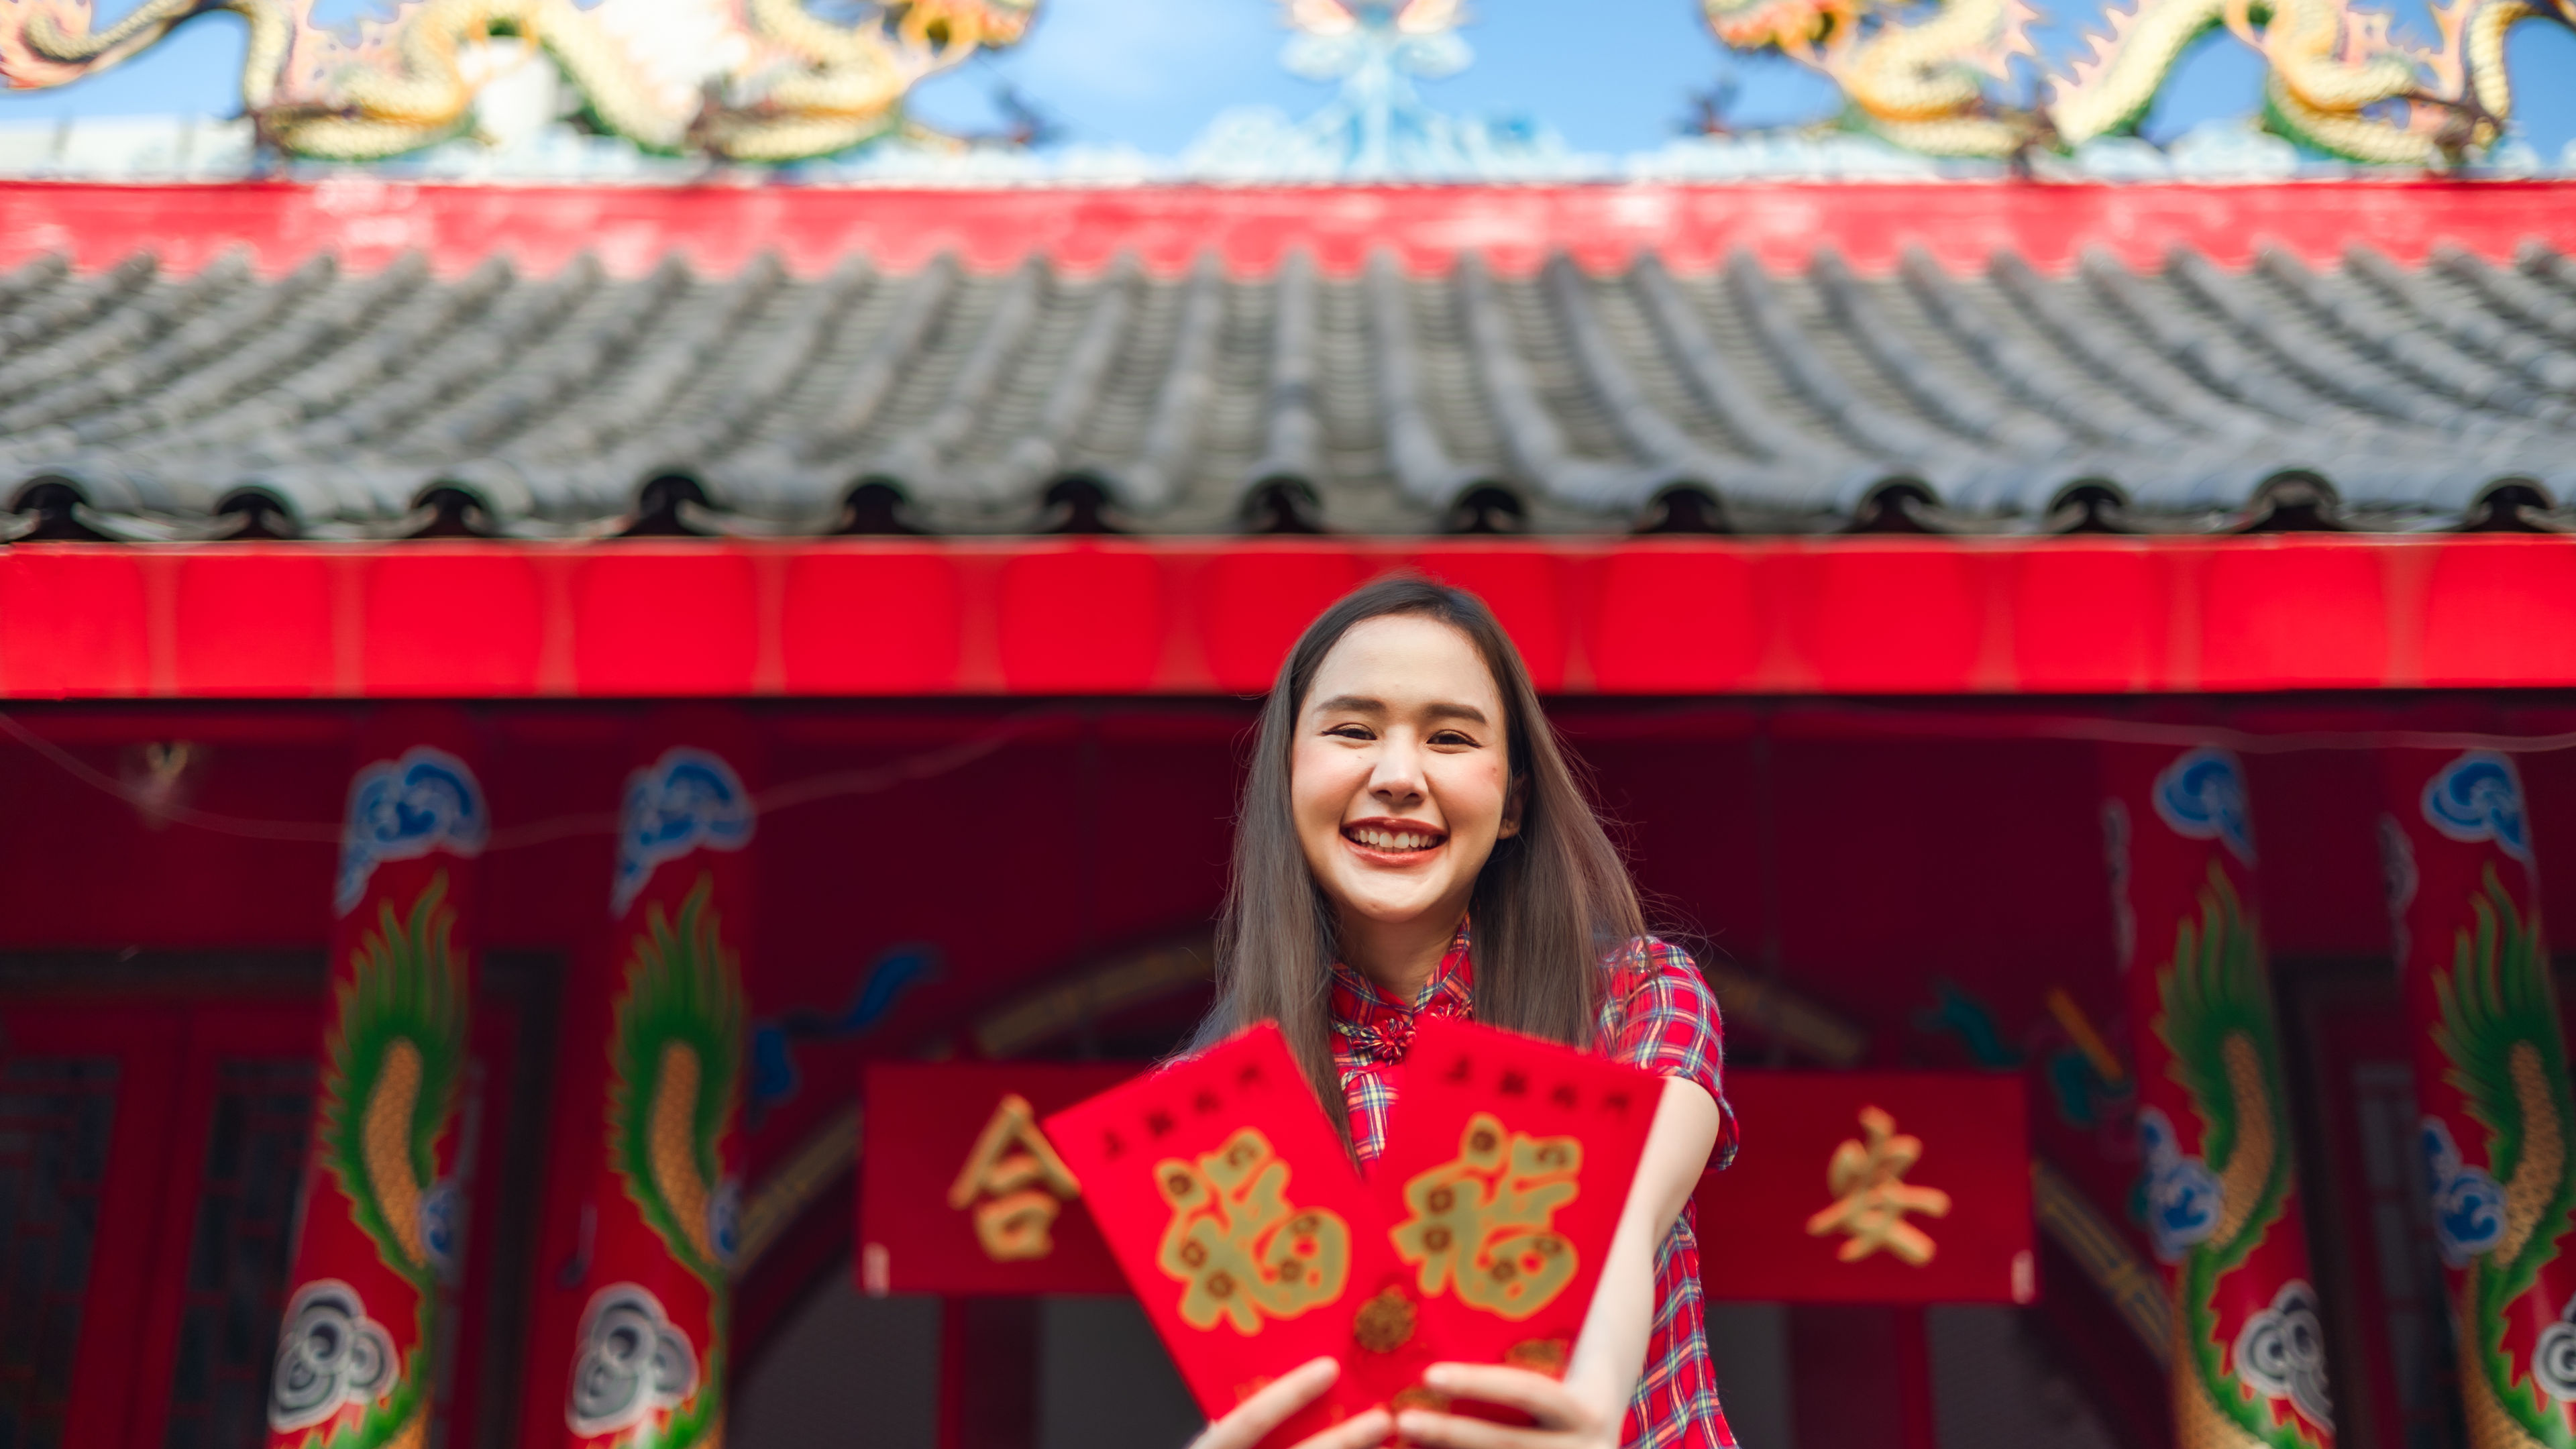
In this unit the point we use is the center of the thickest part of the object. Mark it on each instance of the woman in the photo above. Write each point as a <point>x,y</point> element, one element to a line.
<point>1412,842</point>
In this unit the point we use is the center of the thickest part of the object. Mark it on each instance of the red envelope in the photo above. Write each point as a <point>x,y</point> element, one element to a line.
<point>1507,1165</point>
<point>1237,1217</point>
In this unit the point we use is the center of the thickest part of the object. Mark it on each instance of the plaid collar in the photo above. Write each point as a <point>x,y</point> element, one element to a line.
<point>1375,1028</point>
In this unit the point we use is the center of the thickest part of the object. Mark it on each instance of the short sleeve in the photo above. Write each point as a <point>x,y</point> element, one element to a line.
<point>1661,1016</point>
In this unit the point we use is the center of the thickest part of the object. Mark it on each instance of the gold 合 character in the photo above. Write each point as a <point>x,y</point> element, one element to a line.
<point>1015,1184</point>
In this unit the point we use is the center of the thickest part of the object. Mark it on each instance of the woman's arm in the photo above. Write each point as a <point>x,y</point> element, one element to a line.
<point>1294,1390</point>
<point>1586,1410</point>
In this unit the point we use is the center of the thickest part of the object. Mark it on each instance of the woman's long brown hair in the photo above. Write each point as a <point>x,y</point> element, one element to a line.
<point>1551,904</point>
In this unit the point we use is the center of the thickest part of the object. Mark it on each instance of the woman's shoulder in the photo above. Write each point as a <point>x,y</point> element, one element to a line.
<point>1658,1013</point>
<point>1652,979</point>
<point>1650,958</point>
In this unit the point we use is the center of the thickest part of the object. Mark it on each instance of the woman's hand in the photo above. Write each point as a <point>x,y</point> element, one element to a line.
<point>1566,1420</point>
<point>1273,1406</point>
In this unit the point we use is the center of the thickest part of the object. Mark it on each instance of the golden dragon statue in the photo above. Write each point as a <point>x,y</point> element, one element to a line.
<point>747,80</point>
<point>2338,80</point>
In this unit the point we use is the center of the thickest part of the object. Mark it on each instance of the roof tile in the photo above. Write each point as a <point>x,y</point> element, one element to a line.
<point>1790,398</point>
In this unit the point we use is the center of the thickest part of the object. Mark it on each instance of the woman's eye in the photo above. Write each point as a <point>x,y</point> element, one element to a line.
<point>1452,737</point>
<point>1350,732</point>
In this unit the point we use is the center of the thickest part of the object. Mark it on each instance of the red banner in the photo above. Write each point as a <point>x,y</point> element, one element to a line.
<point>1507,1166</point>
<point>950,1186</point>
<point>378,1252</point>
<point>2491,1080</point>
<point>1872,1187</point>
<point>632,1327</point>
<point>959,1193</point>
<point>2221,1191</point>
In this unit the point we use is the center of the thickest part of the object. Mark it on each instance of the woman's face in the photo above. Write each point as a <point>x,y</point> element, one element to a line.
<point>1400,778</point>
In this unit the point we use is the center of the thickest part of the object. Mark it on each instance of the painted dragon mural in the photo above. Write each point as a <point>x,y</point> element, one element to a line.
<point>678,1060</point>
<point>2499,1031</point>
<point>748,80</point>
<point>2339,79</point>
<point>2217,1020</point>
<point>390,1093</point>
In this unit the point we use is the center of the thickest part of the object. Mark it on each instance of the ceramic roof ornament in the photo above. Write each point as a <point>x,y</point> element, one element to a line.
<point>767,80</point>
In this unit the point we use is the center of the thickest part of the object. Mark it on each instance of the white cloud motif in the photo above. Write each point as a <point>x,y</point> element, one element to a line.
<point>2183,1195</point>
<point>442,1225</point>
<point>2478,797</point>
<point>2553,1358</point>
<point>404,808</point>
<point>687,800</point>
<point>330,1354</point>
<point>2202,796</point>
<point>2281,1353</point>
<point>2468,1203</point>
<point>632,1361</point>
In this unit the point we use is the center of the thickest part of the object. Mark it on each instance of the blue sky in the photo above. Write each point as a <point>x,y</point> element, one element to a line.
<point>1609,75</point>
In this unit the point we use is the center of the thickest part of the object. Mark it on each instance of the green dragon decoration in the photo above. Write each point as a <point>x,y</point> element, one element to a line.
<point>2217,1022</point>
<point>2338,81</point>
<point>397,1055</point>
<point>677,1048</point>
<point>2500,1030</point>
<point>765,80</point>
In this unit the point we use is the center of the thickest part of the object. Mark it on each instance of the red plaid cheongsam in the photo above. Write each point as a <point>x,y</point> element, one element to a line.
<point>1656,1012</point>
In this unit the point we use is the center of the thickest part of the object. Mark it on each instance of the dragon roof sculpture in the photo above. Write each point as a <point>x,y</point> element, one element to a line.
<point>774,81</point>
<point>2339,79</point>
<point>749,80</point>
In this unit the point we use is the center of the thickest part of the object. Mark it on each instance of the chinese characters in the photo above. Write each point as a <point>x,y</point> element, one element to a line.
<point>1483,1221</point>
<point>1015,1183</point>
<point>1239,1246</point>
<point>1872,1197</point>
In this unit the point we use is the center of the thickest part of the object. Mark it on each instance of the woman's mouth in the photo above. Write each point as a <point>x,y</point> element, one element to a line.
<point>1393,842</point>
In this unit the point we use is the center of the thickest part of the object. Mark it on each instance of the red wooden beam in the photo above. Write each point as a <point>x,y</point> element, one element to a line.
<point>829,618</point>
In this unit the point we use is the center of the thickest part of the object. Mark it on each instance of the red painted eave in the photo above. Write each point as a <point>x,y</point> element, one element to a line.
<point>1889,617</point>
<point>366,221</point>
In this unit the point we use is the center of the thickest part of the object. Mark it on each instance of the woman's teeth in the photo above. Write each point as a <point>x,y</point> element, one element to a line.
<point>1392,840</point>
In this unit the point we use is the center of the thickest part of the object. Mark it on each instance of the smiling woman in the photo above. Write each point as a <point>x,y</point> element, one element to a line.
<point>1404,784</point>
<point>1405,708</point>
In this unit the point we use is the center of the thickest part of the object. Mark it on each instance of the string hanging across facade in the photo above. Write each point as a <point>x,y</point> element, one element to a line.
<point>840,784</point>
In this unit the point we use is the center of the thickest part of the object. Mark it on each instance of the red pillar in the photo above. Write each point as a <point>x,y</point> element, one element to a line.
<point>644,1184</point>
<point>988,1373</point>
<point>378,1247</point>
<point>1853,1378</point>
<point>2214,1122</point>
<point>2491,1080</point>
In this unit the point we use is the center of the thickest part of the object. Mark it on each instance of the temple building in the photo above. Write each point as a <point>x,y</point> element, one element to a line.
<point>592,736</point>
<point>2025,636</point>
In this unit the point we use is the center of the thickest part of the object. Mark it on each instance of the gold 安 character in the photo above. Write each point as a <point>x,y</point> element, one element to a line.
<point>1873,1197</point>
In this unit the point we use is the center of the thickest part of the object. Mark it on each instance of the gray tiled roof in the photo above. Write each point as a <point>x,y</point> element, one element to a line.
<point>1182,402</point>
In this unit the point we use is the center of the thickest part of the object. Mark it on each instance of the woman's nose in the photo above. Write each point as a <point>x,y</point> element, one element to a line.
<point>1398,777</point>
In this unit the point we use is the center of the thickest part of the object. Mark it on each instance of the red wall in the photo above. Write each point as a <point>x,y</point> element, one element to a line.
<point>1877,858</point>
<point>1898,861</point>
